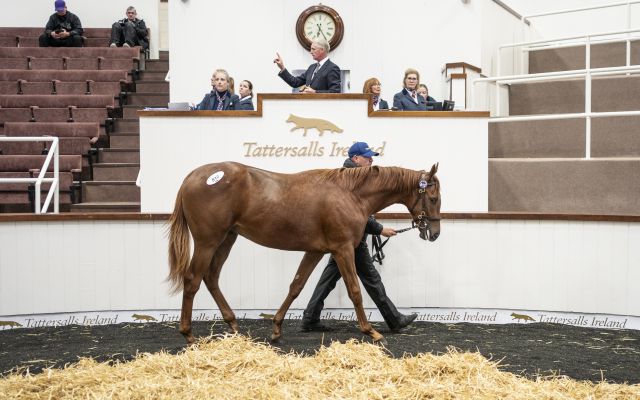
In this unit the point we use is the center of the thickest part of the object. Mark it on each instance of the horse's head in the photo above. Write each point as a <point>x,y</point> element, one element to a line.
<point>426,205</point>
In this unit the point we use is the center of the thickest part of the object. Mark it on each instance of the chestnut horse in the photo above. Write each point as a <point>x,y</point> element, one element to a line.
<point>317,211</point>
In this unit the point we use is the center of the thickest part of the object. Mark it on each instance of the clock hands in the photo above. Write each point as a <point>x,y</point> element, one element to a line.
<point>320,31</point>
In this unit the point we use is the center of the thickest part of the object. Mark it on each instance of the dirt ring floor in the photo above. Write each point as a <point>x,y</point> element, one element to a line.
<point>528,350</point>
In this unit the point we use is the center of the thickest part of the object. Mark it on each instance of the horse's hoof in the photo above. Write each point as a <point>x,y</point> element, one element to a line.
<point>275,338</point>
<point>382,342</point>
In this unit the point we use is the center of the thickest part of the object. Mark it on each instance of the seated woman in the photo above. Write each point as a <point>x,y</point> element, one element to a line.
<point>423,91</point>
<point>408,99</point>
<point>372,86</point>
<point>220,98</point>
<point>246,96</point>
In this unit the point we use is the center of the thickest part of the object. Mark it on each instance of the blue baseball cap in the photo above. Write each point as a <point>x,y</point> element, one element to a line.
<point>361,149</point>
<point>60,5</point>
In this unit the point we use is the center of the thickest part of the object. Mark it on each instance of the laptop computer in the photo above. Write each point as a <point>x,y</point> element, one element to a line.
<point>434,106</point>
<point>447,105</point>
<point>179,106</point>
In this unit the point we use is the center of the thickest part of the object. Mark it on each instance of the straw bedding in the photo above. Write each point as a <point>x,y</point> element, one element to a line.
<point>234,367</point>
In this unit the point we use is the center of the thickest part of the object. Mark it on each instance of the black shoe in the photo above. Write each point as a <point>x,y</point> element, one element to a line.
<point>404,321</point>
<point>315,326</point>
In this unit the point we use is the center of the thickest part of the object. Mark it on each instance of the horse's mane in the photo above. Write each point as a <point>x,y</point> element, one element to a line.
<point>392,178</point>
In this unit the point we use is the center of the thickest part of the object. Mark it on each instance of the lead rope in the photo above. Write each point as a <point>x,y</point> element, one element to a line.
<point>377,244</point>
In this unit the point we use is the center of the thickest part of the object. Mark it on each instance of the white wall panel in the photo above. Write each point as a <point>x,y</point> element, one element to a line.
<point>565,266</point>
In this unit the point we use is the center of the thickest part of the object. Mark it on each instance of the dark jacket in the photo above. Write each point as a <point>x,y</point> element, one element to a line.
<point>140,28</point>
<point>210,102</point>
<point>246,105</point>
<point>69,22</point>
<point>373,227</point>
<point>383,105</point>
<point>403,101</point>
<point>326,80</point>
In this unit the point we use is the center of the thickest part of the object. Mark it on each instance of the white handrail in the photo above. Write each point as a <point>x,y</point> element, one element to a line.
<point>54,191</point>
<point>570,10</point>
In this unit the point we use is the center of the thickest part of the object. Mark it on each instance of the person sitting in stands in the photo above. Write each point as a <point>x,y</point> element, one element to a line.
<point>220,98</point>
<point>423,91</point>
<point>246,96</point>
<point>323,76</point>
<point>130,31</point>
<point>372,86</point>
<point>408,99</point>
<point>63,29</point>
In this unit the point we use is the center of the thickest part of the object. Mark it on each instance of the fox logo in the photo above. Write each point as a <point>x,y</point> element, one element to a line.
<point>142,317</point>
<point>321,125</point>
<point>522,317</point>
<point>267,316</point>
<point>10,324</point>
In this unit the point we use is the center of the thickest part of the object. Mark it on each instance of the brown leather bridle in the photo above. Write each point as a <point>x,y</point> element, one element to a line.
<point>422,220</point>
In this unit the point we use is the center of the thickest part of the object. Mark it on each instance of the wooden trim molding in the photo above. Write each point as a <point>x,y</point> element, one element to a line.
<point>465,66</point>
<point>406,216</point>
<point>312,97</point>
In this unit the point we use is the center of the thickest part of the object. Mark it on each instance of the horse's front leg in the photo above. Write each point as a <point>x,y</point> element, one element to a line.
<point>346,264</point>
<point>308,263</point>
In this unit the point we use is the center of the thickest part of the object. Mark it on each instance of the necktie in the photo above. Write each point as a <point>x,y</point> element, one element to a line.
<point>316,70</point>
<point>220,100</point>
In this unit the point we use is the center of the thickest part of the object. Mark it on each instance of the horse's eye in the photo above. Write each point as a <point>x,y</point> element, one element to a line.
<point>434,200</point>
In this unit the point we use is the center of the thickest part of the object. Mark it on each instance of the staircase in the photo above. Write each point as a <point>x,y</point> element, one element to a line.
<point>540,166</point>
<point>113,188</point>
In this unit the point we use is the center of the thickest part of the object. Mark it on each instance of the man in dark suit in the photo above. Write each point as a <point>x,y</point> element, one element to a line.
<point>321,77</point>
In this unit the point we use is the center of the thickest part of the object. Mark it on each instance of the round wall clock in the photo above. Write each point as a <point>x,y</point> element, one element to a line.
<point>319,22</point>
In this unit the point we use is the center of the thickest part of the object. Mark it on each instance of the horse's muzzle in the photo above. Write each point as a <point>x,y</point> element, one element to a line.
<point>427,232</point>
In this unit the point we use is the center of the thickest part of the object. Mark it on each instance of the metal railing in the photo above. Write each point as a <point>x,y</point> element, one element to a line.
<point>587,73</point>
<point>54,189</point>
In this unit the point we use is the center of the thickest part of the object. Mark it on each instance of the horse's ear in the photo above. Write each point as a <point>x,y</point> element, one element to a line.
<point>434,169</point>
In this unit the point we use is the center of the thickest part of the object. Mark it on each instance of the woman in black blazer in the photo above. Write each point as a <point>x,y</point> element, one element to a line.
<point>372,86</point>
<point>246,96</point>
<point>409,99</point>
<point>220,98</point>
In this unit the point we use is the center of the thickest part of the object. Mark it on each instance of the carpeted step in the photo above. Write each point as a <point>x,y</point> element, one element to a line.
<point>116,171</point>
<point>139,98</point>
<point>151,75</point>
<point>572,186</point>
<point>124,141</point>
<point>119,155</point>
<point>152,87</point>
<point>110,191</point>
<point>572,58</point>
<point>617,93</point>
<point>157,66</point>
<point>164,55</point>
<point>106,207</point>
<point>131,111</point>
<point>127,125</point>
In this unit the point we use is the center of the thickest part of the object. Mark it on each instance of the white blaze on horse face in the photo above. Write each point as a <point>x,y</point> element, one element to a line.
<point>215,178</point>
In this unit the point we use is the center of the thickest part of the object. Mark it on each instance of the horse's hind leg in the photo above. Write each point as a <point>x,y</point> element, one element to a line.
<point>347,267</point>
<point>308,263</point>
<point>202,255</point>
<point>213,275</point>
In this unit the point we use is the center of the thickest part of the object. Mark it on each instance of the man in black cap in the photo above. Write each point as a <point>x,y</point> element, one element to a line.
<point>360,155</point>
<point>63,29</point>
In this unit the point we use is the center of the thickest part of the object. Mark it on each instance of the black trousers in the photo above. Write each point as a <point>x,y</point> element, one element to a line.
<point>72,41</point>
<point>126,33</point>
<point>370,278</point>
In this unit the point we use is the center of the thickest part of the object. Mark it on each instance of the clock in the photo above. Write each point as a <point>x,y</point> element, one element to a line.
<point>319,22</point>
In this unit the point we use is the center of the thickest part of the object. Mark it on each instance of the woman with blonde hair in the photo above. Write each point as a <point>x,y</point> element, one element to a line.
<point>408,99</point>
<point>372,86</point>
<point>220,98</point>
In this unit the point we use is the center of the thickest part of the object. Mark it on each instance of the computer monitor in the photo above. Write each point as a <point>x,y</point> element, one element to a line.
<point>179,106</point>
<point>434,106</point>
<point>447,105</point>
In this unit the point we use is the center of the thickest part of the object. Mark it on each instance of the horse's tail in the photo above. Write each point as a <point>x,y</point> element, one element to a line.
<point>179,245</point>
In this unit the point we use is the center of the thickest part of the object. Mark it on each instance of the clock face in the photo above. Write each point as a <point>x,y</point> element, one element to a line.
<point>319,25</point>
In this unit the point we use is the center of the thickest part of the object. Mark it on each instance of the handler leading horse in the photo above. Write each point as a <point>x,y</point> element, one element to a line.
<point>317,211</point>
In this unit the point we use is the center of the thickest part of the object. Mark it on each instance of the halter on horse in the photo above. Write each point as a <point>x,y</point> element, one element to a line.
<point>218,202</point>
